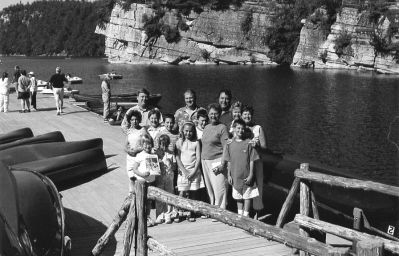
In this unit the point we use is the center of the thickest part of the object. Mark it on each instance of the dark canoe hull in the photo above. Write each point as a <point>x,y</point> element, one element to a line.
<point>47,137</point>
<point>97,99</point>
<point>382,210</point>
<point>15,135</point>
<point>39,215</point>
<point>34,152</point>
<point>66,168</point>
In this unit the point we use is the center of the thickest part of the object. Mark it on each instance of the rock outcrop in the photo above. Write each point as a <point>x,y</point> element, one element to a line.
<point>319,49</point>
<point>212,36</point>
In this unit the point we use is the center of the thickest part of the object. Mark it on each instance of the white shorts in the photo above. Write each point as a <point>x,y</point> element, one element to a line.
<point>58,92</point>
<point>249,192</point>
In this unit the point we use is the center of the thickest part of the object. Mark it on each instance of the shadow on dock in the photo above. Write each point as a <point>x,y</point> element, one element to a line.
<point>84,232</point>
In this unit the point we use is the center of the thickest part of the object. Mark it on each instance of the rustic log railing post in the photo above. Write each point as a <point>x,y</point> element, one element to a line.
<point>304,203</point>
<point>287,203</point>
<point>369,248</point>
<point>141,205</point>
<point>111,230</point>
<point>130,229</point>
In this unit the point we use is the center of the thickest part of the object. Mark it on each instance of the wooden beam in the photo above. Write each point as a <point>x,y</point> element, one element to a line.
<point>141,204</point>
<point>287,203</point>
<point>369,248</point>
<point>111,230</point>
<point>304,208</point>
<point>130,229</point>
<point>155,246</point>
<point>252,226</point>
<point>348,183</point>
<point>343,232</point>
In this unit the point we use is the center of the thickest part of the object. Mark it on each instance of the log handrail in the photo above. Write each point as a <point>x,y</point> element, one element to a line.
<point>254,227</point>
<point>347,182</point>
<point>343,232</point>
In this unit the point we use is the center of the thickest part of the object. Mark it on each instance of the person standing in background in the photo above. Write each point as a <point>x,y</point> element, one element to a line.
<point>23,92</point>
<point>33,90</point>
<point>17,74</point>
<point>106,96</point>
<point>57,82</point>
<point>4,92</point>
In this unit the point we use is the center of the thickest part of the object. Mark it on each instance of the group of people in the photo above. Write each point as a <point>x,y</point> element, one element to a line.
<point>196,148</point>
<point>26,88</point>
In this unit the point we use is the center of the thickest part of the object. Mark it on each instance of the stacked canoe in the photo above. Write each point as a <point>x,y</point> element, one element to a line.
<point>31,169</point>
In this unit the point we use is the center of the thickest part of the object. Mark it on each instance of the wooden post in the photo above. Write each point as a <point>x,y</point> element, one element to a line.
<point>321,236</point>
<point>141,204</point>
<point>131,224</point>
<point>304,203</point>
<point>287,203</point>
<point>357,219</point>
<point>369,248</point>
<point>111,230</point>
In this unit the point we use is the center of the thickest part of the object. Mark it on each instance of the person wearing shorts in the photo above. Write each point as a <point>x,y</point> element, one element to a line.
<point>240,154</point>
<point>57,82</point>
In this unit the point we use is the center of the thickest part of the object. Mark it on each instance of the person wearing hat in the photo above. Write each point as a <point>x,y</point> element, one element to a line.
<point>33,90</point>
<point>57,82</point>
<point>106,96</point>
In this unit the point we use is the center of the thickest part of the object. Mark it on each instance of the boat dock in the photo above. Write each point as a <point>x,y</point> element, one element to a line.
<point>91,206</point>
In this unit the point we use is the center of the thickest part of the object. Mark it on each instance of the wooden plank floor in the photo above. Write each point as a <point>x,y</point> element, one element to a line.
<point>91,206</point>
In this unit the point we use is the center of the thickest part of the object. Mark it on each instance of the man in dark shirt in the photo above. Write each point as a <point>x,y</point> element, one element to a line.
<point>57,82</point>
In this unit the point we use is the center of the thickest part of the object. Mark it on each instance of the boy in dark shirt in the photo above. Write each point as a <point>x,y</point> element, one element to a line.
<point>240,155</point>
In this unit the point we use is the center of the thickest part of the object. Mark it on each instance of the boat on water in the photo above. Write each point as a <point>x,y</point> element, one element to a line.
<point>41,83</point>
<point>74,79</point>
<point>120,99</point>
<point>112,75</point>
<point>32,218</point>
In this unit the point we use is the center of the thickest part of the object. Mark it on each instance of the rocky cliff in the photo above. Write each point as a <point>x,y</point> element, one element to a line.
<point>211,36</point>
<point>236,36</point>
<point>319,49</point>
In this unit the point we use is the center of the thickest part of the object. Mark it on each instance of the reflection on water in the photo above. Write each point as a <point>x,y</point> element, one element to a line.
<point>339,118</point>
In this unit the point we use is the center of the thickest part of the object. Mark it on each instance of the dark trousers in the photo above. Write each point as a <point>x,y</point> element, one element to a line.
<point>33,99</point>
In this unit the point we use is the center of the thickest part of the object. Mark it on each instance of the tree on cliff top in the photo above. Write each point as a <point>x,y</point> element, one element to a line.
<point>50,28</point>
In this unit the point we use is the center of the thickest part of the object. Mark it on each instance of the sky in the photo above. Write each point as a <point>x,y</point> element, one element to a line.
<point>5,3</point>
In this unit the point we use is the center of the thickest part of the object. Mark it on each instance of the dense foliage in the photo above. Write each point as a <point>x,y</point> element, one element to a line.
<point>283,37</point>
<point>51,28</point>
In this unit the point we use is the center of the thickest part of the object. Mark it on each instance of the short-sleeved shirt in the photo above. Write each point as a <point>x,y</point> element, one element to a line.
<point>184,114</point>
<point>23,83</point>
<point>213,140</point>
<point>239,154</point>
<point>142,159</point>
<point>57,80</point>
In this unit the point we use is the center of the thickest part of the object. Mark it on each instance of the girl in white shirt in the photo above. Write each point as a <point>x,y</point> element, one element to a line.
<point>4,92</point>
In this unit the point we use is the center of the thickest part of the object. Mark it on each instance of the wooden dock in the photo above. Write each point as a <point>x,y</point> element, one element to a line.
<point>91,206</point>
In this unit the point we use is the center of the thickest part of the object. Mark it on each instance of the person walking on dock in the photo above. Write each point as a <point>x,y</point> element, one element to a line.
<point>106,96</point>
<point>57,82</point>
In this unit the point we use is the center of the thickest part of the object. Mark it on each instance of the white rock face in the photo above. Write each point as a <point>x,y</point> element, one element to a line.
<point>318,49</point>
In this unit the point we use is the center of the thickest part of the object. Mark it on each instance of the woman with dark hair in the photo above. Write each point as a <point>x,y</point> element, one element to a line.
<point>134,132</point>
<point>4,92</point>
<point>258,141</point>
<point>214,138</point>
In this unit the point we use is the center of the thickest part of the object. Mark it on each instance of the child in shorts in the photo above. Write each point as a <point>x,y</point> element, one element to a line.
<point>240,155</point>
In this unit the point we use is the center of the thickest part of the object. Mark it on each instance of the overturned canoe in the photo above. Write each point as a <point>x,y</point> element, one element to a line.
<point>66,168</point>
<point>47,137</point>
<point>15,135</point>
<point>34,152</point>
<point>32,215</point>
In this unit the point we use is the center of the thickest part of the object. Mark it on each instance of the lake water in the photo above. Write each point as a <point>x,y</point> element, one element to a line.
<point>338,118</point>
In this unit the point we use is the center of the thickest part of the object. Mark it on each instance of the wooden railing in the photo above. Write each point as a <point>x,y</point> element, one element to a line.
<point>134,210</point>
<point>362,243</point>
